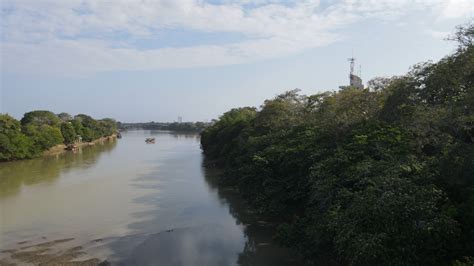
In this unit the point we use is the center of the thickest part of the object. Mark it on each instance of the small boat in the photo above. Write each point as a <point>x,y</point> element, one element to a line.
<point>150,140</point>
<point>72,147</point>
<point>119,136</point>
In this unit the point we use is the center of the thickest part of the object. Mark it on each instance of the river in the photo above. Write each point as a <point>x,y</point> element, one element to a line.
<point>129,203</point>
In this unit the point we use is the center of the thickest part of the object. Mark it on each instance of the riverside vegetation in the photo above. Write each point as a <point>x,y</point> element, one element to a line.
<point>379,176</point>
<point>39,131</point>
<point>191,127</point>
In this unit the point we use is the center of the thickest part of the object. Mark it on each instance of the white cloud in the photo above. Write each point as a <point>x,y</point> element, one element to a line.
<point>76,37</point>
<point>456,8</point>
<point>442,35</point>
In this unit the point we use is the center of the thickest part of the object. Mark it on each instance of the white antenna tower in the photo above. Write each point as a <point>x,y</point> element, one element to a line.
<point>352,60</point>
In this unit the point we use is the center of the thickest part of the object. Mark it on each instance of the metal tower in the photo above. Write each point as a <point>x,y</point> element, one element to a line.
<point>352,60</point>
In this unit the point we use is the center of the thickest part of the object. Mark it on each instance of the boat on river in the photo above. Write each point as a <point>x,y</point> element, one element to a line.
<point>150,140</point>
<point>72,147</point>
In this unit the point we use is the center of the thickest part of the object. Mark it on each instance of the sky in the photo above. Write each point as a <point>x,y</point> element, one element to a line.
<point>144,60</point>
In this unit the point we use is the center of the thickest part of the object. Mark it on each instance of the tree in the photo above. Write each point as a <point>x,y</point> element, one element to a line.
<point>13,143</point>
<point>380,83</point>
<point>107,127</point>
<point>78,128</point>
<point>41,117</point>
<point>464,36</point>
<point>90,129</point>
<point>65,117</point>
<point>283,111</point>
<point>41,130</point>
<point>43,136</point>
<point>68,132</point>
<point>222,137</point>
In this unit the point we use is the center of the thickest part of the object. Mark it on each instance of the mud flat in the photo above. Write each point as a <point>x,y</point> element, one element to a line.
<point>53,252</point>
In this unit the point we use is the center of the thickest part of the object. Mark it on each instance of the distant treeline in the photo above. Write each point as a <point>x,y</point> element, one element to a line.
<point>174,126</point>
<point>38,131</point>
<point>380,176</point>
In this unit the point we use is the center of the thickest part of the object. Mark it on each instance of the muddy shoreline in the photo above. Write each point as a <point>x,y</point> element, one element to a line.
<point>61,148</point>
<point>48,252</point>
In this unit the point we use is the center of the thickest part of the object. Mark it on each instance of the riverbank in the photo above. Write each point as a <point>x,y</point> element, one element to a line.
<point>49,252</point>
<point>58,149</point>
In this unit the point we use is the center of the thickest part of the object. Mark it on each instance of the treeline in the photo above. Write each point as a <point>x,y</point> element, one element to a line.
<point>380,176</point>
<point>38,131</point>
<point>174,126</point>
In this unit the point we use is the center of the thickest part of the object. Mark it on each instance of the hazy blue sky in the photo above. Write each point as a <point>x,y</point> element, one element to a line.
<point>156,60</point>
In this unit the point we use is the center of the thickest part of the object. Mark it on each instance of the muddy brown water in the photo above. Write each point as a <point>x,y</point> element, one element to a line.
<point>129,203</point>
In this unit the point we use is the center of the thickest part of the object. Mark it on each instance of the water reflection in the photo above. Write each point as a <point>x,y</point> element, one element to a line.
<point>193,221</point>
<point>259,247</point>
<point>14,175</point>
<point>183,223</point>
<point>186,135</point>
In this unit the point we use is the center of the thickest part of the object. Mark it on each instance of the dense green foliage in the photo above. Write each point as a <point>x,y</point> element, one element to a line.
<point>68,132</point>
<point>41,130</point>
<point>381,176</point>
<point>90,129</point>
<point>40,118</point>
<point>43,136</point>
<point>13,143</point>
<point>174,126</point>
<point>186,126</point>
